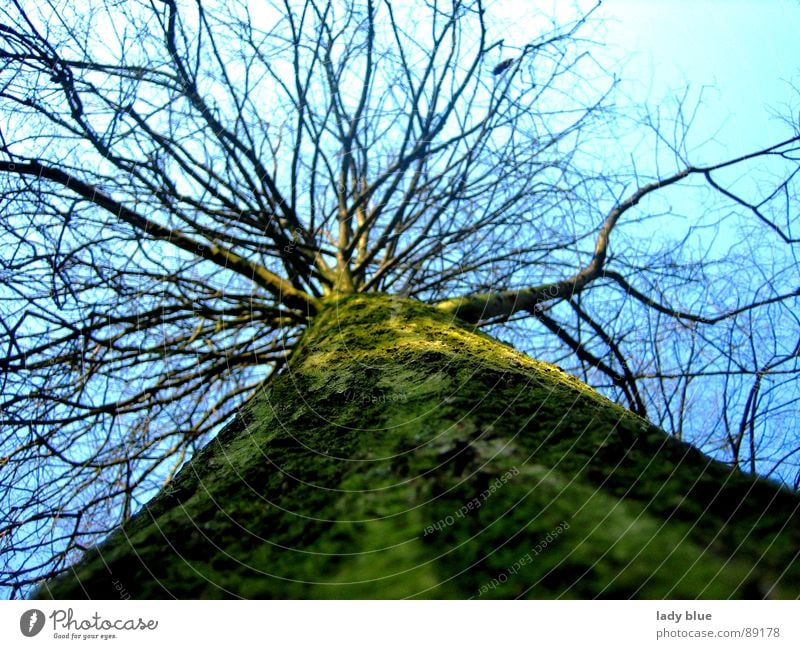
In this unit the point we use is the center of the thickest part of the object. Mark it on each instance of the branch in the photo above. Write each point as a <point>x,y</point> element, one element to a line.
<point>502,305</point>
<point>282,290</point>
<point>683,315</point>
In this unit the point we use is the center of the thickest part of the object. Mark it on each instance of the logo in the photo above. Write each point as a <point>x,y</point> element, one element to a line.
<point>31,622</point>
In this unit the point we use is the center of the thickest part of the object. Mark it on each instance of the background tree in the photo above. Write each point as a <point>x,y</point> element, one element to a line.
<point>184,183</point>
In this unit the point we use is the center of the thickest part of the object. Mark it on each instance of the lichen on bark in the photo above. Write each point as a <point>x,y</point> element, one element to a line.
<point>404,454</point>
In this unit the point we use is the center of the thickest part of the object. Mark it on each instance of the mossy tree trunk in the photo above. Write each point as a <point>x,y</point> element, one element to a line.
<point>403,454</point>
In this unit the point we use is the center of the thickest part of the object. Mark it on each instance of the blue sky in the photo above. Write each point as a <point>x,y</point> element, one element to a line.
<point>743,54</point>
<point>742,57</point>
<point>738,61</point>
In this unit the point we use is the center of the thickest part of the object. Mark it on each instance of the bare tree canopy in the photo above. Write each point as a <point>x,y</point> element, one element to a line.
<point>183,182</point>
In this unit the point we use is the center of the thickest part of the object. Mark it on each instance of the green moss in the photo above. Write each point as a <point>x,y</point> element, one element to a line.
<point>351,474</point>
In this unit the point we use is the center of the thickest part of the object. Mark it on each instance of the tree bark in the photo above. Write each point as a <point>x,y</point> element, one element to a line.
<point>401,453</point>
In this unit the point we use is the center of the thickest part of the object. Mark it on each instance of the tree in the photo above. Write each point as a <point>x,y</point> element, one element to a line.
<point>186,188</point>
<point>403,454</point>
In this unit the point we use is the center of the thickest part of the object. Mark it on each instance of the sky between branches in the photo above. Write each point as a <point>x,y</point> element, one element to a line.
<point>744,54</point>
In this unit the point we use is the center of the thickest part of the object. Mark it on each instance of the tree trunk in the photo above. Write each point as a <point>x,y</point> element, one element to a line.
<point>403,454</point>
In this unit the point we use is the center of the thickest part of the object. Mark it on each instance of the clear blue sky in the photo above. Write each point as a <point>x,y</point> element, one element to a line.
<point>744,54</point>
